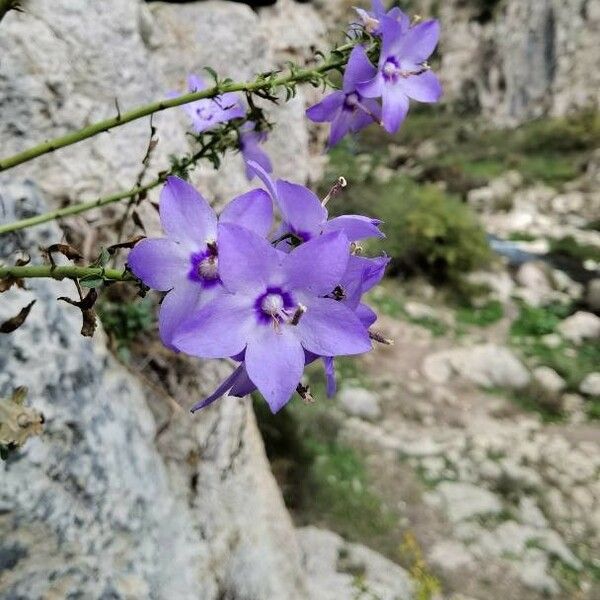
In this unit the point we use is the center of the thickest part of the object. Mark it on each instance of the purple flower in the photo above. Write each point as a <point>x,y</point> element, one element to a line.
<point>304,217</point>
<point>208,112</point>
<point>186,262</point>
<point>276,309</point>
<point>402,71</point>
<point>250,141</point>
<point>347,109</point>
<point>371,21</point>
<point>361,275</point>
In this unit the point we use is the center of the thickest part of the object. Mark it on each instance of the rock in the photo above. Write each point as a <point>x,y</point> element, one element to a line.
<point>533,572</point>
<point>592,295</point>
<point>359,402</point>
<point>499,282</point>
<point>449,555</point>
<point>530,514</point>
<point>590,386</point>
<point>486,365</point>
<point>463,501</point>
<point>535,284</point>
<point>548,380</point>
<point>570,202</point>
<point>580,326</point>
<point>551,340</point>
<point>418,310</point>
<point>332,566</point>
<point>383,174</point>
<point>427,149</point>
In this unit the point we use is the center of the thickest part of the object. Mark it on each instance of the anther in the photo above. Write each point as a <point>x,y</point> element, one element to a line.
<point>304,393</point>
<point>300,310</point>
<point>379,338</point>
<point>337,187</point>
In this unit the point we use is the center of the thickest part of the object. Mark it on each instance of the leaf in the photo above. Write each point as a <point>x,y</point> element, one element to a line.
<point>65,250</point>
<point>91,281</point>
<point>16,321</point>
<point>213,74</point>
<point>128,244</point>
<point>87,311</point>
<point>137,220</point>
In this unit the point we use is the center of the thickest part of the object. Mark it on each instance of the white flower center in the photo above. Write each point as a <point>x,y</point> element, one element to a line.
<point>390,69</point>
<point>209,267</point>
<point>272,304</point>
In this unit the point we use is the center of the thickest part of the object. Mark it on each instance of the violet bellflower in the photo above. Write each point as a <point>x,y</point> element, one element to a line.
<point>250,141</point>
<point>402,71</point>
<point>208,112</point>
<point>276,309</point>
<point>361,275</point>
<point>346,109</point>
<point>371,20</point>
<point>185,263</point>
<point>304,217</point>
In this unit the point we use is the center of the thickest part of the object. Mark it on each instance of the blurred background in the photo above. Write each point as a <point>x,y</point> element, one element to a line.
<point>460,463</point>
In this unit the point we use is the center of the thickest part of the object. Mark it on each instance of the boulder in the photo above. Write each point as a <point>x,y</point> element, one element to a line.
<point>486,365</point>
<point>334,566</point>
<point>590,386</point>
<point>358,402</point>
<point>579,327</point>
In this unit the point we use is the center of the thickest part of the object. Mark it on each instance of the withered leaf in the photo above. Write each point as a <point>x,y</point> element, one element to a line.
<point>65,250</point>
<point>87,311</point>
<point>128,244</point>
<point>8,282</point>
<point>137,220</point>
<point>21,262</point>
<point>16,321</point>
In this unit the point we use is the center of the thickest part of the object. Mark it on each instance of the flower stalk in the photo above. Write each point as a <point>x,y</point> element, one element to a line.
<point>65,272</point>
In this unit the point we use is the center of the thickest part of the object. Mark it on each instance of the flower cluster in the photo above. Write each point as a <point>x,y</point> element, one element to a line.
<point>402,73</point>
<point>208,112</point>
<point>272,298</point>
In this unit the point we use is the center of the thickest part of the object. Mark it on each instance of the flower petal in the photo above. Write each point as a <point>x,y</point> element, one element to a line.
<point>185,215</point>
<point>219,329</point>
<point>358,70</point>
<point>366,315</point>
<point>355,227</point>
<point>247,262</point>
<point>300,208</point>
<point>223,388</point>
<point>317,266</point>
<point>372,88</point>
<point>423,88</point>
<point>195,83</point>
<point>252,210</point>
<point>275,362</point>
<point>395,107</point>
<point>159,262</point>
<point>328,328</point>
<point>178,305</point>
<point>340,126</point>
<point>326,109</point>
<point>419,42</point>
<point>329,365</point>
<point>391,38</point>
<point>262,174</point>
<point>252,152</point>
<point>242,386</point>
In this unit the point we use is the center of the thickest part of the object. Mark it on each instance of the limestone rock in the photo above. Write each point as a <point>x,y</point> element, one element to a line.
<point>590,386</point>
<point>359,402</point>
<point>486,365</point>
<point>463,501</point>
<point>548,380</point>
<point>332,566</point>
<point>580,326</point>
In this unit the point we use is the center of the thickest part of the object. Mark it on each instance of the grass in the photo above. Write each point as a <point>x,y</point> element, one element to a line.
<point>483,316</point>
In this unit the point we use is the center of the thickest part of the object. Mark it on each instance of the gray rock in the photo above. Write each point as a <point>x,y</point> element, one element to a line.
<point>333,564</point>
<point>486,365</point>
<point>592,296</point>
<point>590,386</point>
<point>359,402</point>
<point>533,572</point>
<point>549,380</point>
<point>463,501</point>
<point>449,555</point>
<point>580,326</point>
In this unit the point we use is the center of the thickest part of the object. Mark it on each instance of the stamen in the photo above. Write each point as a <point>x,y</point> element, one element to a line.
<point>304,393</point>
<point>337,187</point>
<point>272,304</point>
<point>300,310</point>
<point>356,249</point>
<point>209,267</point>
<point>378,337</point>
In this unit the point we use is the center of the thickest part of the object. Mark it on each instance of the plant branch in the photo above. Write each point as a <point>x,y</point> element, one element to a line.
<point>266,83</point>
<point>65,272</point>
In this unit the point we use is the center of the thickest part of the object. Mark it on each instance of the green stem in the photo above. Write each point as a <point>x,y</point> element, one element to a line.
<point>261,84</point>
<point>75,209</point>
<point>65,272</point>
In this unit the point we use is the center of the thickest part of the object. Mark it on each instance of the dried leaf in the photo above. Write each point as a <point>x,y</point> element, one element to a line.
<point>86,305</point>
<point>16,321</point>
<point>21,262</point>
<point>65,250</point>
<point>128,244</point>
<point>137,220</point>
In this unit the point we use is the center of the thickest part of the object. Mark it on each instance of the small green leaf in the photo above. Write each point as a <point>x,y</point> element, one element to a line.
<point>91,281</point>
